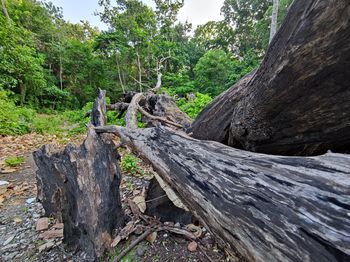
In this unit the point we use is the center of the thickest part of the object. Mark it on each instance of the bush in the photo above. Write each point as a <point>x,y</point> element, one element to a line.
<point>193,107</point>
<point>14,120</point>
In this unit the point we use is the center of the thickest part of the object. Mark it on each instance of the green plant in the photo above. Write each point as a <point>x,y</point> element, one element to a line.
<point>14,161</point>
<point>193,107</point>
<point>130,164</point>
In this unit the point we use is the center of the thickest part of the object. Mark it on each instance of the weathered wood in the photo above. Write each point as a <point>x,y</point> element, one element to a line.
<point>160,206</point>
<point>298,100</point>
<point>261,207</point>
<point>80,185</point>
<point>98,114</point>
<point>164,106</point>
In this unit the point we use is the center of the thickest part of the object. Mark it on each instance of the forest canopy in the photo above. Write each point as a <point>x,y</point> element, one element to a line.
<point>49,64</point>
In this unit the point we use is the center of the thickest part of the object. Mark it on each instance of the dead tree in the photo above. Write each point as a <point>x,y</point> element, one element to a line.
<point>80,187</point>
<point>297,102</point>
<point>260,207</point>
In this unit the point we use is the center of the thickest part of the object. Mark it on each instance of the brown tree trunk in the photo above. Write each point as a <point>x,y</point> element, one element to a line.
<point>297,102</point>
<point>259,207</point>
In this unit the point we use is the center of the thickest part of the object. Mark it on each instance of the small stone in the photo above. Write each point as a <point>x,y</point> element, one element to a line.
<point>9,240</point>
<point>52,234</point>
<point>140,251</point>
<point>3,183</point>
<point>192,246</point>
<point>17,220</point>
<point>165,235</point>
<point>58,226</point>
<point>30,200</point>
<point>42,224</point>
<point>177,225</point>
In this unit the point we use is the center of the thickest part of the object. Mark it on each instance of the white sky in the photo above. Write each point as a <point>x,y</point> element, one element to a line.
<point>196,12</point>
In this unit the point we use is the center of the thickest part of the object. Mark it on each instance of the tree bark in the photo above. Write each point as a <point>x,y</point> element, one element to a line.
<point>259,207</point>
<point>297,102</point>
<point>80,186</point>
<point>99,109</point>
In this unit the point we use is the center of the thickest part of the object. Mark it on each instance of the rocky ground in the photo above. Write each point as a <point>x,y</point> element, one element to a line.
<point>27,235</point>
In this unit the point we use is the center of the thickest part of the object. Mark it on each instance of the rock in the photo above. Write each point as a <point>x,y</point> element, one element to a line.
<point>30,200</point>
<point>9,240</point>
<point>46,246</point>
<point>140,251</point>
<point>177,225</point>
<point>17,220</point>
<point>152,237</point>
<point>52,234</point>
<point>42,224</point>
<point>3,183</point>
<point>192,246</point>
<point>58,226</point>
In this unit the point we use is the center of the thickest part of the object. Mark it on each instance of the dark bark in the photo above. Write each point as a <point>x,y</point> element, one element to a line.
<point>298,100</point>
<point>98,114</point>
<point>260,207</point>
<point>80,185</point>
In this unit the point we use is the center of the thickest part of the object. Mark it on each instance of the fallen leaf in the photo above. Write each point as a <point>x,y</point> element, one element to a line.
<point>152,237</point>
<point>140,202</point>
<point>192,246</point>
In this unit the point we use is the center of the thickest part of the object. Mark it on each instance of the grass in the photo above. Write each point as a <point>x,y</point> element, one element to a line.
<point>14,161</point>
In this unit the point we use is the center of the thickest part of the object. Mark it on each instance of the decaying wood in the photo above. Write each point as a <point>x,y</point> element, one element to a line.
<point>81,184</point>
<point>98,114</point>
<point>160,206</point>
<point>154,108</point>
<point>298,100</point>
<point>261,207</point>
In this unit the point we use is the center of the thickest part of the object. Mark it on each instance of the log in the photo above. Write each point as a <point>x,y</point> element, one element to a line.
<point>259,207</point>
<point>297,102</point>
<point>80,186</point>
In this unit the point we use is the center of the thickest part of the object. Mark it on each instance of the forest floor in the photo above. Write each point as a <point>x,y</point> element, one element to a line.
<point>20,212</point>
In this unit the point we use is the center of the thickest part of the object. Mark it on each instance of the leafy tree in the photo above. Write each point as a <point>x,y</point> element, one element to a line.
<point>212,72</point>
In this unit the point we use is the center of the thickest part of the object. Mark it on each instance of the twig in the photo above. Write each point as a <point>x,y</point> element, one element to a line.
<point>178,231</point>
<point>133,244</point>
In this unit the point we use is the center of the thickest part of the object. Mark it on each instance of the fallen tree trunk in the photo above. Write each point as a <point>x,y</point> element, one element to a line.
<point>297,102</point>
<point>260,207</point>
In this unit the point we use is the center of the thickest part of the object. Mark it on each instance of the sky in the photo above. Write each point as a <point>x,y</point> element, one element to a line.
<point>196,12</point>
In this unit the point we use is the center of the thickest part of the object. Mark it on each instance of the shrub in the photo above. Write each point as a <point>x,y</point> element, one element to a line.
<point>193,107</point>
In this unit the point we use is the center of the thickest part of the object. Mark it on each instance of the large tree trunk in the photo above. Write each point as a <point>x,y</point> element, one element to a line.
<point>298,100</point>
<point>80,187</point>
<point>260,207</point>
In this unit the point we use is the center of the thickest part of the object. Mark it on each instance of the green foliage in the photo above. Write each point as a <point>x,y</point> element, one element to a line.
<point>14,120</point>
<point>130,164</point>
<point>193,107</point>
<point>14,161</point>
<point>212,72</point>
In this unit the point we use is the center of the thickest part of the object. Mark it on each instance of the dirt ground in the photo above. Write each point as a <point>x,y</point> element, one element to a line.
<point>19,212</point>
